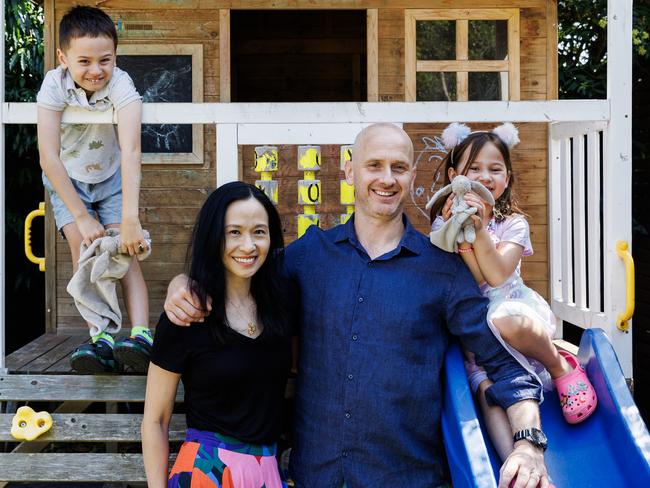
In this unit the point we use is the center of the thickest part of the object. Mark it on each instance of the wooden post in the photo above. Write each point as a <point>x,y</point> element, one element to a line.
<point>3,370</point>
<point>372,54</point>
<point>224,55</point>
<point>617,177</point>
<point>462,54</point>
<point>551,50</point>
<point>227,154</point>
<point>49,63</point>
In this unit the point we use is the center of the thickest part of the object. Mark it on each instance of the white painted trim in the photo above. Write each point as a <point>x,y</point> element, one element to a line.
<point>593,218</point>
<point>579,223</point>
<point>617,177</point>
<point>340,112</point>
<point>575,315</point>
<point>555,224</point>
<point>565,212</point>
<point>298,133</point>
<point>227,153</point>
<point>3,248</point>
<point>562,130</point>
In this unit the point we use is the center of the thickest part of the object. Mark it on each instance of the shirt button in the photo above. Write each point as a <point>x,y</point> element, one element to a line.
<point>350,376</point>
<point>347,415</point>
<point>354,337</point>
<point>344,453</point>
<point>360,299</point>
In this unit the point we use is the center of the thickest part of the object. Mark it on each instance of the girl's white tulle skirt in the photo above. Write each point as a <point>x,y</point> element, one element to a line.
<point>515,299</point>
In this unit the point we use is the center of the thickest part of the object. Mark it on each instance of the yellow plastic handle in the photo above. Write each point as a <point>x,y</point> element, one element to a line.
<point>623,251</point>
<point>28,236</point>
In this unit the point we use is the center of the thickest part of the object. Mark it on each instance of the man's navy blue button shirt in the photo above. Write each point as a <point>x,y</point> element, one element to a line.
<point>372,343</point>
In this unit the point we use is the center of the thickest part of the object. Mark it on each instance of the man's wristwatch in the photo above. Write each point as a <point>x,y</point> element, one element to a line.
<point>535,436</point>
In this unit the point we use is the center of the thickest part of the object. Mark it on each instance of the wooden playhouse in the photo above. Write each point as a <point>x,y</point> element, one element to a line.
<point>282,77</point>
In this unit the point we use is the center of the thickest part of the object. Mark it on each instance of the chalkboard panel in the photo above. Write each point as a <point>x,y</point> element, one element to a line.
<point>162,78</point>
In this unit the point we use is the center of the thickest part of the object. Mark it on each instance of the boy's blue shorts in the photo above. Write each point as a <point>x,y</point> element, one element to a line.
<point>103,199</point>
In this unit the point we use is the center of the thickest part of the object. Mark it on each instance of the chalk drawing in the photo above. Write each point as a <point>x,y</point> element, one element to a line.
<point>432,153</point>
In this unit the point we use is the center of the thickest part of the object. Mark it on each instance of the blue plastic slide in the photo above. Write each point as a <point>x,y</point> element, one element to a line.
<point>611,449</point>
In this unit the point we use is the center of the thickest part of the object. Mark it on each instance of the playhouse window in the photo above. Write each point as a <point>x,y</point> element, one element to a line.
<point>462,54</point>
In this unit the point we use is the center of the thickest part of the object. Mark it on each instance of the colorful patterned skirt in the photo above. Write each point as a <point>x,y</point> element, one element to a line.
<point>211,460</point>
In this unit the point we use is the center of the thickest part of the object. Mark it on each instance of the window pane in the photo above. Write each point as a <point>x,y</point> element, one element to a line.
<point>488,39</point>
<point>436,86</point>
<point>435,39</point>
<point>488,86</point>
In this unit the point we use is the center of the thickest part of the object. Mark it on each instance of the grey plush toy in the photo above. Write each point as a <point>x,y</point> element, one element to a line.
<point>459,228</point>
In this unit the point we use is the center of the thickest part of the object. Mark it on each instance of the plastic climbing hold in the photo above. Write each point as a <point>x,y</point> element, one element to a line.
<point>27,425</point>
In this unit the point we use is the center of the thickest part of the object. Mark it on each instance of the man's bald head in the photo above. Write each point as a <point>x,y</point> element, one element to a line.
<point>379,131</point>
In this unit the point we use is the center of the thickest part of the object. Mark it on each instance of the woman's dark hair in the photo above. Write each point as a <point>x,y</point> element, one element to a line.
<point>82,21</point>
<point>207,277</point>
<point>506,204</point>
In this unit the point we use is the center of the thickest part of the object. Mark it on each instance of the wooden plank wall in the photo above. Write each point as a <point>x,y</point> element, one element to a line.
<point>172,194</point>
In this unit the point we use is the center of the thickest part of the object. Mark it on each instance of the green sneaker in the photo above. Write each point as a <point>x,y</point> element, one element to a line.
<point>133,352</point>
<point>94,358</point>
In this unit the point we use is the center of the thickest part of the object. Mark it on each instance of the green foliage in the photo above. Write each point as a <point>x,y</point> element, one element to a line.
<point>24,50</point>
<point>582,48</point>
<point>23,77</point>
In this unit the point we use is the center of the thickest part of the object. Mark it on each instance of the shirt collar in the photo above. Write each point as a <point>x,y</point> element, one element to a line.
<point>69,82</point>
<point>411,240</point>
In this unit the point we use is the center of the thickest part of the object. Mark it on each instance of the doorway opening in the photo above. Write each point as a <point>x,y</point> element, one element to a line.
<point>298,56</point>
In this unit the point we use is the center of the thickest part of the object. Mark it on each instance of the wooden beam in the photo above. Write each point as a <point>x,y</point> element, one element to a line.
<point>467,14</point>
<point>463,65</point>
<point>551,50</point>
<point>410,68</point>
<point>513,55</point>
<point>49,62</point>
<point>372,54</point>
<point>224,55</point>
<point>49,36</point>
<point>98,388</point>
<point>95,427</point>
<point>67,467</point>
<point>332,113</point>
<point>462,55</point>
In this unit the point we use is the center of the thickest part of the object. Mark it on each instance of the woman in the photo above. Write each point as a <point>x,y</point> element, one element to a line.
<point>234,366</point>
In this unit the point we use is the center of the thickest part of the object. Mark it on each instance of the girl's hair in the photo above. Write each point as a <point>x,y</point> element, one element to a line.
<point>506,204</point>
<point>207,277</point>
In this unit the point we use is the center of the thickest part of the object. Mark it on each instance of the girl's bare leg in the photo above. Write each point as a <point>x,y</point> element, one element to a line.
<point>529,338</point>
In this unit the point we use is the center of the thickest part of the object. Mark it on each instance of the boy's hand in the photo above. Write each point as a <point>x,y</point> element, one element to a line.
<point>90,229</point>
<point>132,239</point>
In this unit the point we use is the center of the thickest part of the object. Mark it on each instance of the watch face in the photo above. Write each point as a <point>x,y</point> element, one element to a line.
<point>538,437</point>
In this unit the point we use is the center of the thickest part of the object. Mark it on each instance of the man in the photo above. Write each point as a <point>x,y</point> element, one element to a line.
<point>377,305</point>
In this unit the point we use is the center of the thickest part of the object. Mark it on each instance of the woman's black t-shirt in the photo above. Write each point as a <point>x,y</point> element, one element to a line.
<point>236,388</point>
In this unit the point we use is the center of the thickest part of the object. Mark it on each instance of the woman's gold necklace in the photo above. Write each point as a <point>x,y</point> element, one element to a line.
<point>251,327</point>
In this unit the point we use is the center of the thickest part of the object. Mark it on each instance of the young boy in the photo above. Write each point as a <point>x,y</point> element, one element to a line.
<point>92,172</point>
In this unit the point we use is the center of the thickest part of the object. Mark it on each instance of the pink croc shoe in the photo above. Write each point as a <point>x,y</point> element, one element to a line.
<point>577,395</point>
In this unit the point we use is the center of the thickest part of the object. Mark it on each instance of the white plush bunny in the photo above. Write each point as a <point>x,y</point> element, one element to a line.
<point>460,185</point>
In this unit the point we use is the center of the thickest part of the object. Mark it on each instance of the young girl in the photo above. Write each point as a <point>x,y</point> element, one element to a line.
<point>518,316</point>
<point>234,367</point>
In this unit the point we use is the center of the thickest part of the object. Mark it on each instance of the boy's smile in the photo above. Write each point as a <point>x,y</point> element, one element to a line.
<point>90,61</point>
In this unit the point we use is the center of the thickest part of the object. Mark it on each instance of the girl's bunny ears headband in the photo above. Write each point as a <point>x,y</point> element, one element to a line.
<point>455,133</point>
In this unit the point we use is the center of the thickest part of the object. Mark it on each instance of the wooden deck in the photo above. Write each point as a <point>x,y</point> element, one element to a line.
<point>48,354</point>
